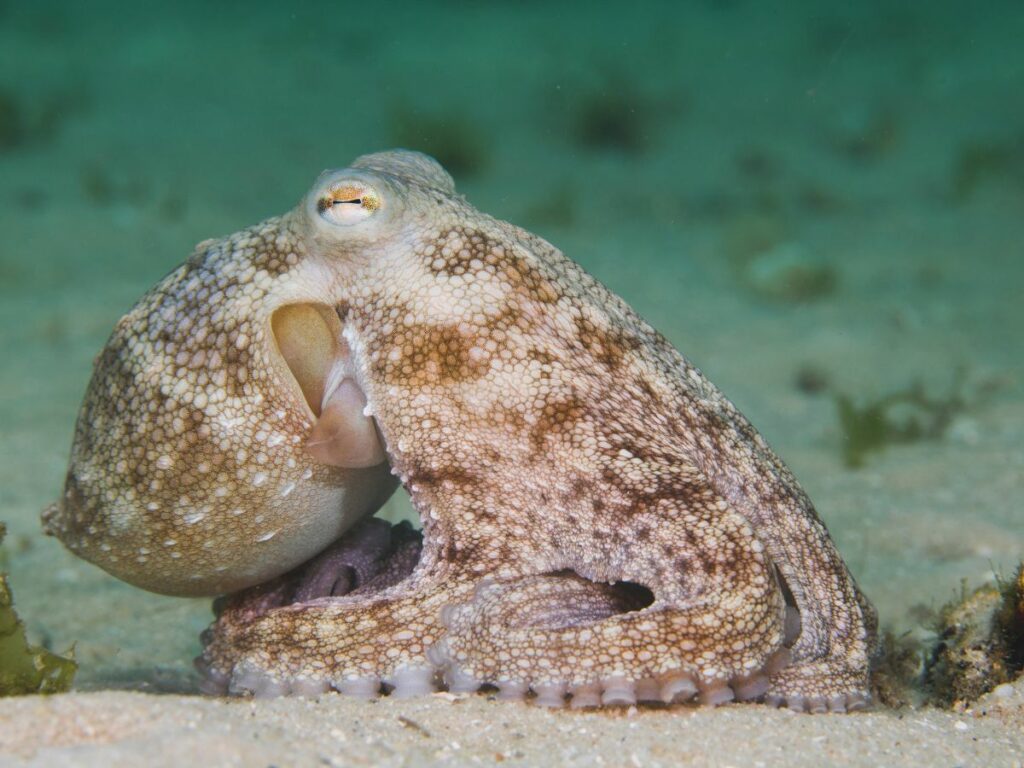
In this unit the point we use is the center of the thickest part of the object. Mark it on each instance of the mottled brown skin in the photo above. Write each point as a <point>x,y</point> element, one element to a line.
<point>556,448</point>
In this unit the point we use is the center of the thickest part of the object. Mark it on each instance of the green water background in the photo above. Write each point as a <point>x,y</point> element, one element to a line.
<point>697,157</point>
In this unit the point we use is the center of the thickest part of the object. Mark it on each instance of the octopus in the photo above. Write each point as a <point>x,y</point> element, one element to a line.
<point>599,525</point>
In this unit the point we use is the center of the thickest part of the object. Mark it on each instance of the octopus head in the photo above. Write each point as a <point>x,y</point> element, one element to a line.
<point>225,437</point>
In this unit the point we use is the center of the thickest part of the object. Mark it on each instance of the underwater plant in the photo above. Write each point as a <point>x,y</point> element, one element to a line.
<point>868,135</point>
<point>13,128</point>
<point>37,120</point>
<point>979,162</point>
<point>26,668</point>
<point>613,119</point>
<point>614,113</point>
<point>905,416</point>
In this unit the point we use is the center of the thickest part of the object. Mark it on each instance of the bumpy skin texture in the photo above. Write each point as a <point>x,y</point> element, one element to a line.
<point>598,520</point>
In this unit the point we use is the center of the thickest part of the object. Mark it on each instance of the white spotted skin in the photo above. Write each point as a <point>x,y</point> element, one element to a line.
<point>551,441</point>
<point>188,473</point>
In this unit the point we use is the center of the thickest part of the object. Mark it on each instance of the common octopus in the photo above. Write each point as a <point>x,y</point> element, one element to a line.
<point>600,526</point>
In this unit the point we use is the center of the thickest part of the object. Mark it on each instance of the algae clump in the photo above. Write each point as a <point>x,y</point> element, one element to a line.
<point>27,668</point>
<point>981,643</point>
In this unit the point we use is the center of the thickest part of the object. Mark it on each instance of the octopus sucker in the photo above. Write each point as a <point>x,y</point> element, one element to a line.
<point>751,687</point>
<point>599,525</point>
<point>550,695</point>
<point>366,687</point>
<point>410,681</point>
<point>458,682</point>
<point>677,687</point>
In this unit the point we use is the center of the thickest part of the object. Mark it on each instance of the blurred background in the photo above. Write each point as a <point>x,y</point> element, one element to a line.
<point>820,204</point>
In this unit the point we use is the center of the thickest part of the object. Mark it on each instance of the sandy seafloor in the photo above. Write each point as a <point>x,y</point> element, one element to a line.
<point>886,144</point>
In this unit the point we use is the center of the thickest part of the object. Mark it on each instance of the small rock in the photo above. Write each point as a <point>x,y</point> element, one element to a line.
<point>965,430</point>
<point>788,272</point>
<point>1004,691</point>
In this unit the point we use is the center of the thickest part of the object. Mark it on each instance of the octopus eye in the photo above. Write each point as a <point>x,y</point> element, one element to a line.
<point>348,204</point>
